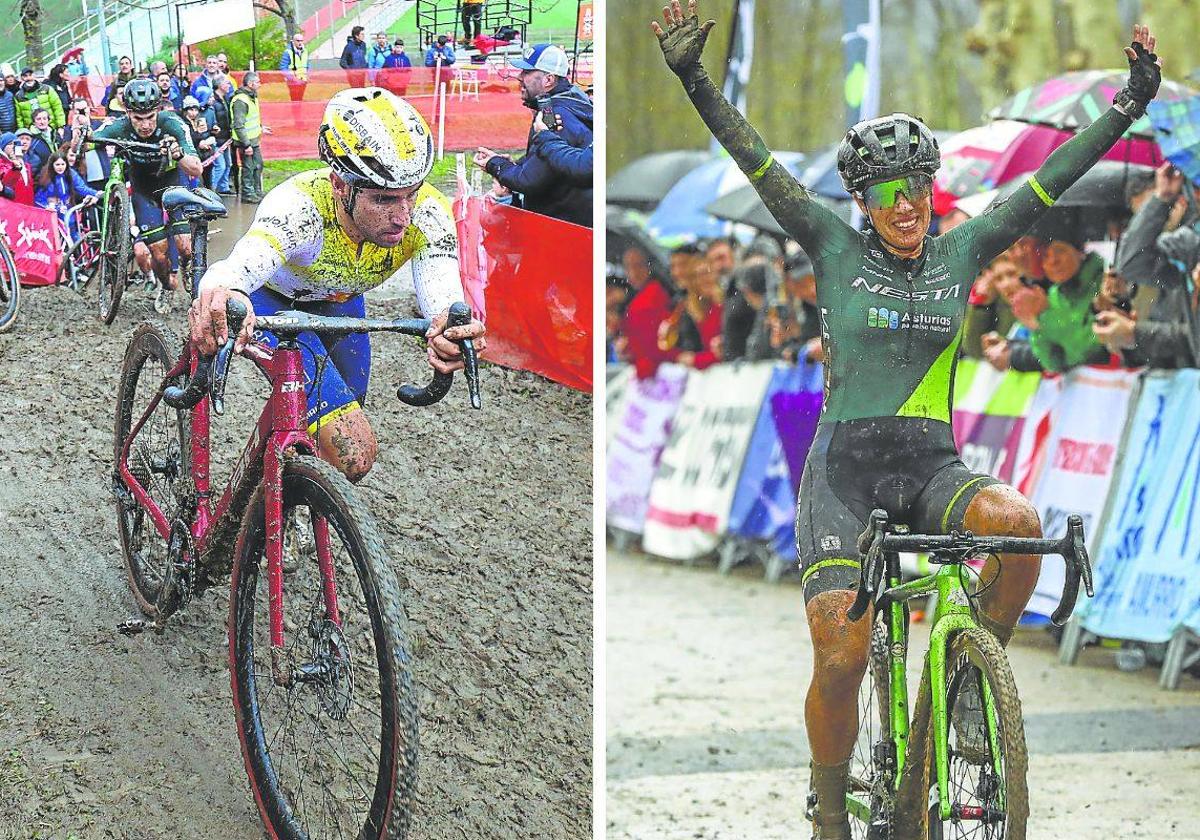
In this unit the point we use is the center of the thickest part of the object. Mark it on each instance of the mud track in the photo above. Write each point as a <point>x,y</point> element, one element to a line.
<point>487,516</point>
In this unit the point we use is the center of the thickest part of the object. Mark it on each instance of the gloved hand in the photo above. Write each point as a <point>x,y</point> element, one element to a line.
<point>1145,74</point>
<point>683,40</point>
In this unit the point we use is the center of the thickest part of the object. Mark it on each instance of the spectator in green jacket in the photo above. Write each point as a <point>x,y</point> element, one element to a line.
<point>33,95</point>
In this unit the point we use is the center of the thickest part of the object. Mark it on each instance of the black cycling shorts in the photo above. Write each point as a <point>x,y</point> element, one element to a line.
<point>908,466</point>
<point>148,215</point>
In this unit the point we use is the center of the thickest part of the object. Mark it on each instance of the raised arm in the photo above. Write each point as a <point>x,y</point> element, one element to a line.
<point>795,208</point>
<point>997,229</point>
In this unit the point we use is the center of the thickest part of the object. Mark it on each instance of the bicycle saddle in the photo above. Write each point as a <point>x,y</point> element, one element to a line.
<point>201,202</point>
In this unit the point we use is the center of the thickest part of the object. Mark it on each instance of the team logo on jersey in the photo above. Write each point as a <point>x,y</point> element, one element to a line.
<point>879,317</point>
<point>905,294</point>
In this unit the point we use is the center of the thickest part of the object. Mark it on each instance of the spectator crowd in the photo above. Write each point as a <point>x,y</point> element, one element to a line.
<point>1051,302</point>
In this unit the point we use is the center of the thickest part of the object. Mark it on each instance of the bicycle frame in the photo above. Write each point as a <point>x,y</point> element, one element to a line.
<point>280,428</point>
<point>116,181</point>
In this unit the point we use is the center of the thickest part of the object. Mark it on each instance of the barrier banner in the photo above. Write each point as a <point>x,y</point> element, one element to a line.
<point>796,411</point>
<point>1078,458</point>
<point>764,505</point>
<point>639,433</point>
<point>693,490</point>
<point>989,409</point>
<point>32,234</point>
<point>1148,569</point>
<point>529,277</point>
<point>616,397</point>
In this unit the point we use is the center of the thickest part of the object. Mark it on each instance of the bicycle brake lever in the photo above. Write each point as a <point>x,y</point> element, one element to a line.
<point>235,315</point>
<point>471,371</point>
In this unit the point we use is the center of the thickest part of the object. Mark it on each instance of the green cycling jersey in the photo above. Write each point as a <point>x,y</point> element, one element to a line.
<point>891,327</point>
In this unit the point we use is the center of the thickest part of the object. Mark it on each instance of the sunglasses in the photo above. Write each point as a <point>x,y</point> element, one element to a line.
<point>884,195</point>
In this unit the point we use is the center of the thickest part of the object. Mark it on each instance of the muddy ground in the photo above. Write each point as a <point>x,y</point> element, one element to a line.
<point>487,516</point>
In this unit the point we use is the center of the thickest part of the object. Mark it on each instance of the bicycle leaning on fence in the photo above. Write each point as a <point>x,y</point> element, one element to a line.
<point>10,286</point>
<point>957,767</point>
<point>322,678</point>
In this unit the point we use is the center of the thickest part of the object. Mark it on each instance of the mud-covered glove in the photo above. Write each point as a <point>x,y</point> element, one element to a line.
<point>683,40</point>
<point>1145,75</point>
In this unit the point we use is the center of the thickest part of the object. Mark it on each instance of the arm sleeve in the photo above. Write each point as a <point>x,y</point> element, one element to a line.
<point>565,159</point>
<point>1160,344</point>
<point>180,132</point>
<point>814,227</point>
<point>58,116</point>
<point>1002,225</point>
<point>531,175</point>
<point>1138,259</point>
<point>435,266</point>
<point>286,225</point>
<point>344,62</point>
<point>81,186</point>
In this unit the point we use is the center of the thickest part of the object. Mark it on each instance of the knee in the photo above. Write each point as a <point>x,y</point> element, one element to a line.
<point>1002,510</point>
<point>185,250</point>
<point>839,645</point>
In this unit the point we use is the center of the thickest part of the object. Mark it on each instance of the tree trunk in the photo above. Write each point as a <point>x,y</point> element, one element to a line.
<point>286,9</point>
<point>31,22</point>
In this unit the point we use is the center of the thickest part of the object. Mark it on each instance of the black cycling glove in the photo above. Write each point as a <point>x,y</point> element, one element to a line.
<point>1144,78</point>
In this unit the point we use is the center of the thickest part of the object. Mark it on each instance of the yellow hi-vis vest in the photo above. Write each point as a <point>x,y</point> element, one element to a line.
<point>299,63</point>
<point>252,130</point>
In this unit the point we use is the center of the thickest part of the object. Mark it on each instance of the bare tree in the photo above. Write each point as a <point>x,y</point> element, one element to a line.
<point>286,9</point>
<point>31,23</point>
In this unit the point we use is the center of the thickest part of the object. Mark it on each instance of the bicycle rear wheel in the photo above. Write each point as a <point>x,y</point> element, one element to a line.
<point>115,252</point>
<point>10,289</point>
<point>160,458</point>
<point>989,794</point>
<point>870,783</point>
<point>332,750</point>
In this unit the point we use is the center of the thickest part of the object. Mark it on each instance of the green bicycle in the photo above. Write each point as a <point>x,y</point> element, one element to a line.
<point>958,770</point>
<point>116,237</point>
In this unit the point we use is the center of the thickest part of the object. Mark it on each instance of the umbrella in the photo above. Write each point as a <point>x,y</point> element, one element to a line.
<point>681,217</point>
<point>1177,125</point>
<point>743,206</point>
<point>623,230</point>
<point>1074,100</point>
<point>979,158</point>
<point>643,183</point>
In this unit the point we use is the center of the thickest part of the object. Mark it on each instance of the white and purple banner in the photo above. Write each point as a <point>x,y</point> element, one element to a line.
<point>693,489</point>
<point>641,429</point>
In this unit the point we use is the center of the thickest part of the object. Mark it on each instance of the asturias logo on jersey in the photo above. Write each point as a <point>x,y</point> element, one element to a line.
<point>882,318</point>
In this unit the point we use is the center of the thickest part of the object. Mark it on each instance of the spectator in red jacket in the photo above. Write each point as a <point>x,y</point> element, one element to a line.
<point>16,176</point>
<point>650,306</point>
<point>693,329</point>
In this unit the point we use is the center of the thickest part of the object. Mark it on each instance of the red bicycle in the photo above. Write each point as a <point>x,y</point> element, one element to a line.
<point>322,678</point>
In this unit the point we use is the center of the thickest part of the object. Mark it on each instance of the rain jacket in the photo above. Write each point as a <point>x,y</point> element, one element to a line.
<point>543,190</point>
<point>570,161</point>
<point>354,54</point>
<point>16,182</point>
<point>431,55</point>
<point>376,56</point>
<point>8,111</point>
<point>40,97</point>
<point>68,188</point>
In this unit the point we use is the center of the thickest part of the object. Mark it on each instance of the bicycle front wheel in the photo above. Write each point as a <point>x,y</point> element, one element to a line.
<point>116,249</point>
<point>870,783</point>
<point>328,725</point>
<point>10,289</point>
<point>988,790</point>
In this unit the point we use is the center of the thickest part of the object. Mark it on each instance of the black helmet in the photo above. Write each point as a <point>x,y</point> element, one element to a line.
<point>141,96</point>
<point>886,147</point>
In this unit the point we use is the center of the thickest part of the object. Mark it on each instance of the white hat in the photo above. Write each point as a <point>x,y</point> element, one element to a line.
<point>6,69</point>
<point>545,57</point>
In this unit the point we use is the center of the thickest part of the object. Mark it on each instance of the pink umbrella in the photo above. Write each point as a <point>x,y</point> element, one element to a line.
<point>982,158</point>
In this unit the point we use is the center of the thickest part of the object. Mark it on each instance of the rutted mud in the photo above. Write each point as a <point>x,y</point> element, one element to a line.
<point>488,521</point>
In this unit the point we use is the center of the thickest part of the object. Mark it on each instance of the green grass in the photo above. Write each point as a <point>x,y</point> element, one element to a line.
<point>553,21</point>
<point>275,172</point>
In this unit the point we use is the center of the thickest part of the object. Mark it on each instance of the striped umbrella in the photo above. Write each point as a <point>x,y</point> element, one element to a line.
<point>1074,100</point>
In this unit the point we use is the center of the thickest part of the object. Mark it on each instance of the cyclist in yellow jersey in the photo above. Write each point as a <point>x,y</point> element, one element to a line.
<point>323,238</point>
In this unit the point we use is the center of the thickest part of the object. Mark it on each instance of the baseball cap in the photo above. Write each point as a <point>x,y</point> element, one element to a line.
<point>26,71</point>
<point>545,57</point>
<point>191,102</point>
<point>24,132</point>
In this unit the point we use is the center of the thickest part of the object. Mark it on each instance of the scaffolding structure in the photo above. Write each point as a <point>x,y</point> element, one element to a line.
<point>444,17</point>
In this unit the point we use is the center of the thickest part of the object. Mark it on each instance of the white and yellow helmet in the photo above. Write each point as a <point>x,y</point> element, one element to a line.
<point>373,138</point>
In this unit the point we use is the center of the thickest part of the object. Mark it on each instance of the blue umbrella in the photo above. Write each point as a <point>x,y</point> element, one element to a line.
<point>680,217</point>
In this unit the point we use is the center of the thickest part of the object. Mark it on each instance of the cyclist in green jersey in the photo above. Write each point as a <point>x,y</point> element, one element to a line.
<point>892,300</point>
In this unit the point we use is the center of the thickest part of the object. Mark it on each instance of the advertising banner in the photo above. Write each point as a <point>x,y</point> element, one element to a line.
<point>529,277</point>
<point>989,409</point>
<point>1147,572</point>
<point>698,473</point>
<point>796,410</point>
<point>764,505</point>
<point>32,234</point>
<point>1078,460</point>
<point>640,432</point>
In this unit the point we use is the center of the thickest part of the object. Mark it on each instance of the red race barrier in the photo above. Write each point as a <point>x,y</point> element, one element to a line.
<point>33,239</point>
<point>529,278</point>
